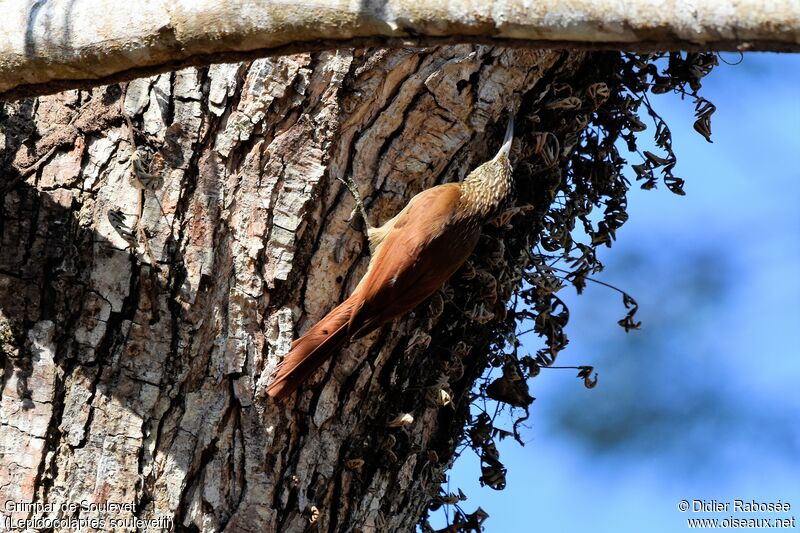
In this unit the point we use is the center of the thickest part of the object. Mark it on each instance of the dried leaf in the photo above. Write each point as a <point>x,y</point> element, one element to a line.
<point>401,420</point>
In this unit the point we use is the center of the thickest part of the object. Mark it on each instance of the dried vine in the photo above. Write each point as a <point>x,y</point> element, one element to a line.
<point>576,167</point>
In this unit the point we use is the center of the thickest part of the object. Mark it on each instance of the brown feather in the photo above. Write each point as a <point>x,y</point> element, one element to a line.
<point>312,349</point>
<point>424,248</point>
<point>410,263</point>
<point>413,255</point>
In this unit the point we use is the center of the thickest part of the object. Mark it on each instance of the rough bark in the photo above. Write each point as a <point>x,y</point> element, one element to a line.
<point>63,44</point>
<point>138,376</point>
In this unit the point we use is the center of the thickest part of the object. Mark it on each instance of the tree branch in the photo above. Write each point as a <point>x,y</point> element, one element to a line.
<point>50,46</point>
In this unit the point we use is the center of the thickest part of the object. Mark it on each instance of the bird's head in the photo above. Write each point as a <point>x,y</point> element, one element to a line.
<point>490,185</point>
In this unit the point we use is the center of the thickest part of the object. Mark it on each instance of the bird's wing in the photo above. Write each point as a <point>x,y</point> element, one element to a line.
<point>418,203</point>
<point>414,258</point>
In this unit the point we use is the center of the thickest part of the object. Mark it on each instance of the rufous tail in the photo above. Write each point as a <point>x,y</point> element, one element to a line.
<point>311,350</point>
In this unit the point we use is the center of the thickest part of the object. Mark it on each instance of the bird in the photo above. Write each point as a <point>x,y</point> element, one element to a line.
<point>413,255</point>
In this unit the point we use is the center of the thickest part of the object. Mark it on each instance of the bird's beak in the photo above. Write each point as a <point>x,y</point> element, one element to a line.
<point>509,138</point>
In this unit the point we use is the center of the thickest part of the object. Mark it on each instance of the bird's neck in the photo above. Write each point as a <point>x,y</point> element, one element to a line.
<point>487,188</point>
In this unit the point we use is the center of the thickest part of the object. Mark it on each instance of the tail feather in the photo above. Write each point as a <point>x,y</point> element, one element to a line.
<point>311,350</point>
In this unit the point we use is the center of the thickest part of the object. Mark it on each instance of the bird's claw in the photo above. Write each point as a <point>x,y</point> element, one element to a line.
<point>359,207</point>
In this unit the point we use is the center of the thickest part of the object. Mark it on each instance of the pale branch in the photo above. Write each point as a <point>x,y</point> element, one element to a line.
<point>51,46</point>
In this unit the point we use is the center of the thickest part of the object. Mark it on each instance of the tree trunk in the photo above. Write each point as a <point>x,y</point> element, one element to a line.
<point>135,374</point>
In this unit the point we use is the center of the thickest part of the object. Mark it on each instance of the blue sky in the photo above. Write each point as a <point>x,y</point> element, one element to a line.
<point>702,402</point>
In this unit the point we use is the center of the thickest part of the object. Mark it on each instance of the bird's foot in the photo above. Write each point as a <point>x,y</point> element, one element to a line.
<point>353,188</point>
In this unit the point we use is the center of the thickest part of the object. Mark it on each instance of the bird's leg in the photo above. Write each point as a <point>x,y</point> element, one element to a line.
<point>353,188</point>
